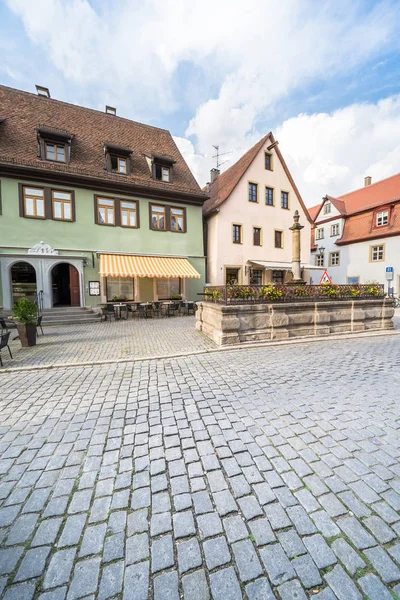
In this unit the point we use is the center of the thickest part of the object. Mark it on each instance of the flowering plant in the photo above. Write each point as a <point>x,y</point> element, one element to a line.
<point>330,289</point>
<point>270,292</point>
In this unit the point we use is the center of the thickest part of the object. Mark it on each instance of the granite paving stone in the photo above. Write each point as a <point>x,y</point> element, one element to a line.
<point>33,563</point>
<point>374,588</point>
<point>59,569</point>
<point>348,556</point>
<point>277,564</point>
<point>292,590</point>
<point>260,590</point>
<point>341,584</point>
<point>225,584</point>
<point>195,586</point>
<point>136,582</point>
<point>382,562</point>
<point>307,571</point>
<point>246,560</point>
<point>189,556</point>
<point>320,551</point>
<point>216,552</point>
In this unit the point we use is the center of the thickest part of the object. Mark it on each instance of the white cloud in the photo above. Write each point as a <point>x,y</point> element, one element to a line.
<point>332,153</point>
<point>254,56</point>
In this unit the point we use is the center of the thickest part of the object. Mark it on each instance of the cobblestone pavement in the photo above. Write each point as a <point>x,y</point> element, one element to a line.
<point>101,341</point>
<point>93,342</point>
<point>259,474</point>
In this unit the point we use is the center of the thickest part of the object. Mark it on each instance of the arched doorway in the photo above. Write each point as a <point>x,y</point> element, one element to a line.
<point>65,285</point>
<point>23,281</point>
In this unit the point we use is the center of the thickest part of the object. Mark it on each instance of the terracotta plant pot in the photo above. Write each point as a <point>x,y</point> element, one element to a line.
<point>27,334</point>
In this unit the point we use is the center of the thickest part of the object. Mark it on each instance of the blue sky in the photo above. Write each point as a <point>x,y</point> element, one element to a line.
<point>323,75</point>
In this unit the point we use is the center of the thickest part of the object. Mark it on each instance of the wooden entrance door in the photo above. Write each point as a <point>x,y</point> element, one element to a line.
<point>74,286</point>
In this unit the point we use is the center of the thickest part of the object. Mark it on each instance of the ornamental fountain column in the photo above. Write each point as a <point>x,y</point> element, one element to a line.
<point>296,250</point>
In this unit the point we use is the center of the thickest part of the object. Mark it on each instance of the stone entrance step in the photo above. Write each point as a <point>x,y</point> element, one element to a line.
<point>68,315</point>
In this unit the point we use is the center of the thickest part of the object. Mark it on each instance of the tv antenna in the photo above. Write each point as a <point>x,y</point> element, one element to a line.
<point>217,156</point>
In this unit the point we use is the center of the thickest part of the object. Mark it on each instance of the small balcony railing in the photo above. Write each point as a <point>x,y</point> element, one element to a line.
<point>274,292</point>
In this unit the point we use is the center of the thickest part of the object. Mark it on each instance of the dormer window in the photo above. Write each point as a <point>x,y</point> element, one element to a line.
<point>161,167</point>
<point>54,144</point>
<point>55,152</point>
<point>327,208</point>
<point>382,218</point>
<point>118,159</point>
<point>163,173</point>
<point>118,164</point>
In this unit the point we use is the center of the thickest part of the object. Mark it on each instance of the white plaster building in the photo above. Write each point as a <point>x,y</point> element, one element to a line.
<point>247,220</point>
<point>359,234</point>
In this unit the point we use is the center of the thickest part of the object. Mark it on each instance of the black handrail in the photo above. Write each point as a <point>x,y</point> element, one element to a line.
<point>39,301</point>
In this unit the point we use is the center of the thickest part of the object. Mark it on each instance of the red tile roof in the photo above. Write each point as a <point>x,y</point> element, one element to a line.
<point>220,190</point>
<point>381,192</point>
<point>91,129</point>
<point>314,210</point>
<point>359,207</point>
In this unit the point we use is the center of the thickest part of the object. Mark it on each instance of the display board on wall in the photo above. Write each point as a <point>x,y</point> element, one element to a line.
<point>94,288</point>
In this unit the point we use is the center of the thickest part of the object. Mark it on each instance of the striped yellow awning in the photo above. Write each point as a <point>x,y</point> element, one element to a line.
<point>122,265</point>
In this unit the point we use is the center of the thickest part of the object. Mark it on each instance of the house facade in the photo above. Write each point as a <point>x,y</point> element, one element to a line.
<point>356,237</point>
<point>247,220</point>
<point>93,207</point>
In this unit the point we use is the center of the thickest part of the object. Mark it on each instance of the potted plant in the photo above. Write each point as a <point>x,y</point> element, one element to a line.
<point>25,315</point>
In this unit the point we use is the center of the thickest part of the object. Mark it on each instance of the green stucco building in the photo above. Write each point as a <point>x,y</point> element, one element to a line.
<point>93,207</point>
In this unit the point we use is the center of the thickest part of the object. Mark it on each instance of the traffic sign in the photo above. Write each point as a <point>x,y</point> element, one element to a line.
<point>389,273</point>
<point>325,278</point>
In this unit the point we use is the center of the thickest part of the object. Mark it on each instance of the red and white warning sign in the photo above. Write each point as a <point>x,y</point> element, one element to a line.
<point>325,278</point>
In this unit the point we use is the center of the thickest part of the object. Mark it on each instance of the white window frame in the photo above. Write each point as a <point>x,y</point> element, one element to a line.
<point>377,253</point>
<point>327,208</point>
<point>335,229</point>
<point>318,232</point>
<point>382,218</point>
<point>332,260</point>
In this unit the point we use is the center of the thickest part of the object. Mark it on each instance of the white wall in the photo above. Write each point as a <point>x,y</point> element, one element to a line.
<point>237,209</point>
<point>359,261</point>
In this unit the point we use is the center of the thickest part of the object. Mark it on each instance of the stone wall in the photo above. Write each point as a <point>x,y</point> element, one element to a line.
<point>236,324</point>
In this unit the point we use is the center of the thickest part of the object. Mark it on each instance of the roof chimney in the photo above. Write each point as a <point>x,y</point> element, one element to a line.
<point>214,174</point>
<point>42,91</point>
<point>110,110</point>
<point>367,181</point>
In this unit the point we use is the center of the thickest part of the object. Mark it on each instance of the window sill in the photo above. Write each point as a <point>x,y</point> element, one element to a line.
<point>33,217</point>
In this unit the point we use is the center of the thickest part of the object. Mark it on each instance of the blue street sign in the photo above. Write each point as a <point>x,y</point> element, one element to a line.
<point>389,269</point>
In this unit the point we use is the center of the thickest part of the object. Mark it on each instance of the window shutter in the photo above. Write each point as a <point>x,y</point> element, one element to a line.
<point>96,212</point>
<point>1,212</point>
<point>137,214</point>
<point>21,199</point>
<point>73,209</point>
<point>117,212</point>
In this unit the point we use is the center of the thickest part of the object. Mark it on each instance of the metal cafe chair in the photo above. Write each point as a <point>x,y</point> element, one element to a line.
<point>4,339</point>
<point>3,325</point>
<point>190,308</point>
<point>172,309</point>
<point>157,308</point>
<point>145,310</point>
<point>110,312</point>
<point>39,324</point>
